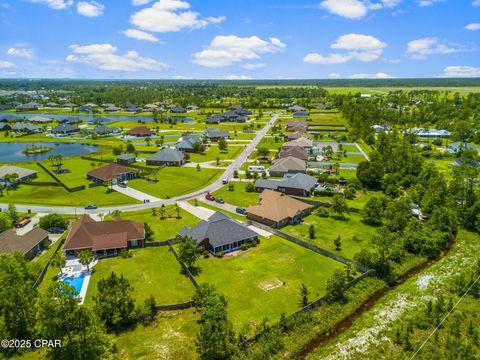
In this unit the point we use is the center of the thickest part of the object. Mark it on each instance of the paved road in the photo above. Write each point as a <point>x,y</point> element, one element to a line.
<point>228,174</point>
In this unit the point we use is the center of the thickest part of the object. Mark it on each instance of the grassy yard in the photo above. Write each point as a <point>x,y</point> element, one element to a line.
<point>213,152</point>
<point>174,181</point>
<point>328,229</point>
<point>276,263</point>
<point>163,229</point>
<point>239,196</point>
<point>151,271</point>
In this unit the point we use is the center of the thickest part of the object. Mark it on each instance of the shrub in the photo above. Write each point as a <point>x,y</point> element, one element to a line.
<point>53,221</point>
<point>125,254</point>
<point>322,212</point>
<point>220,254</point>
<point>244,246</point>
<point>206,254</point>
<point>249,187</point>
<point>231,187</point>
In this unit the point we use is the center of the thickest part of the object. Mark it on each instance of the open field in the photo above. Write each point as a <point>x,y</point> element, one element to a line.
<point>213,152</point>
<point>239,196</point>
<point>263,282</point>
<point>328,229</point>
<point>151,271</point>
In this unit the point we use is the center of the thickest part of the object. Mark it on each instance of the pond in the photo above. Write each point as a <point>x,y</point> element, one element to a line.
<point>13,152</point>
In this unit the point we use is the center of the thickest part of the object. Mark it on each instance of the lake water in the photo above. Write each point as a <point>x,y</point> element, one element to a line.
<point>12,152</point>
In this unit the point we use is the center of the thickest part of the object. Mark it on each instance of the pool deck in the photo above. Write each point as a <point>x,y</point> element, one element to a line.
<point>70,270</point>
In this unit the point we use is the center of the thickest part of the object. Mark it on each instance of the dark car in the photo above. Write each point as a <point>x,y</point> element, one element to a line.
<point>241,210</point>
<point>209,197</point>
<point>91,207</point>
<point>220,201</point>
<point>56,230</point>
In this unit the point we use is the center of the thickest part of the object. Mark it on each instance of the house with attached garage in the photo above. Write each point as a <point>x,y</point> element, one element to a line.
<point>5,127</point>
<point>112,172</point>
<point>278,210</point>
<point>300,115</point>
<point>166,157</point>
<point>187,143</point>
<point>297,184</point>
<point>27,128</point>
<point>140,131</point>
<point>287,165</point>
<point>104,238</point>
<point>126,159</point>
<point>22,173</point>
<point>301,142</point>
<point>29,244</point>
<point>294,151</point>
<point>103,130</point>
<point>215,134</point>
<point>220,233</point>
<point>65,129</point>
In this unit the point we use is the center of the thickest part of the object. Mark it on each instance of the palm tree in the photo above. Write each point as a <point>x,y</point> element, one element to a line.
<point>86,257</point>
<point>177,209</point>
<point>58,260</point>
<point>116,213</point>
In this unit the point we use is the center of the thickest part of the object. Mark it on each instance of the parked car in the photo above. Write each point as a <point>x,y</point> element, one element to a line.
<point>91,207</point>
<point>56,230</point>
<point>219,200</point>
<point>23,222</point>
<point>225,181</point>
<point>210,197</point>
<point>241,210</point>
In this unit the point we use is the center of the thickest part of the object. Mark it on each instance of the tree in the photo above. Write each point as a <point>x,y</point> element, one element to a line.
<point>187,251</point>
<point>349,271</point>
<point>58,260</point>
<point>303,296</point>
<point>216,338</point>
<point>339,205</point>
<point>370,173</point>
<point>81,333</point>
<point>336,287</point>
<point>12,212</point>
<point>5,222</point>
<point>130,148</point>
<point>311,231</point>
<point>222,144</point>
<point>53,221</point>
<point>372,213</point>
<point>198,167</point>
<point>338,243</point>
<point>198,147</point>
<point>249,187</point>
<point>114,303</point>
<point>86,257</point>
<point>263,152</point>
<point>148,232</point>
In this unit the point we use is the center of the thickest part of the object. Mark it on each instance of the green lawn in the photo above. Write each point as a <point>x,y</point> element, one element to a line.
<point>164,229</point>
<point>243,279</point>
<point>270,143</point>
<point>174,181</point>
<point>213,152</point>
<point>151,271</point>
<point>238,197</point>
<point>328,229</point>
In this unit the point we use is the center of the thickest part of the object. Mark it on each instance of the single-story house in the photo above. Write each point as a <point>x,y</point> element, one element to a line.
<point>429,133</point>
<point>287,165</point>
<point>126,159</point>
<point>458,146</point>
<point>104,238</point>
<point>27,128</point>
<point>65,129</point>
<point>237,115</point>
<point>72,120</point>
<point>5,127</point>
<point>140,131</point>
<point>187,143</point>
<point>112,172</point>
<point>296,108</point>
<point>297,184</point>
<point>278,210</point>
<point>69,105</point>
<point>215,119</point>
<point>22,173</point>
<point>301,142</point>
<point>103,130</point>
<point>9,118</point>
<point>40,120</point>
<point>167,157</point>
<point>130,108</point>
<point>193,107</point>
<point>29,244</point>
<point>300,126</point>
<point>220,233</point>
<point>294,151</point>
<point>293,135</point>
<point>215,134</point>
<point>51,104</point>
<point>300,115</point>
<point>112,109</point>
<point>177,110</point>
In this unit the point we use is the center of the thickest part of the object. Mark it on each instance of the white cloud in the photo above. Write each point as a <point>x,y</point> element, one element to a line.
<point>476,2</point>
<point>424,3</point>
<point>182,77</point>
<point>171,16</point>
<point>90,9</point>
<point>6,64</point>
<point>378,75</point>
<point>253,66</point>
<point>473,26</point>
<point>360,47</point>
<point>237,77</point>
<point>228,50</point>
<point>334,75</point>
<point>356,9</point>
<point>55,4</point>
<point>27,53</point>
<point>140,2</point>
<point>105,57</point>
<point>139,35</point>
<point>461,71</point>
<point>422,48</point>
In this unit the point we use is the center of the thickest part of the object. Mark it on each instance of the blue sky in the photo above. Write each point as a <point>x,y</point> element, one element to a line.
<point>235,39</point>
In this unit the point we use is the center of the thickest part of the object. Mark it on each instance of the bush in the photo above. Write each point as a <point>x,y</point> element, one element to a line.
<point>220,254</point>
<point>125,254</point>
<point>249,187</point>
<point>244,246</point>
<point>206,254</point>
<point>53,221</point>
<point>322,212</point>
<point>231,187</point>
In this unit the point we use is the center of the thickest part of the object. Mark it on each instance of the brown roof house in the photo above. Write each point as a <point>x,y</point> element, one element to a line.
<point>140,131</point>
<point>301,142</point>
<point>288,165</point>
<point>278,210</point>
<point>29,244</point>
<point>300,126</point>
<point>104,238</point>
<point>296,152</point>
<point>112,172</point>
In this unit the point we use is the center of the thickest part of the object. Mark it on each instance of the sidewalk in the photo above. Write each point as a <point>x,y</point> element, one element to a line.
<point>138,195</point>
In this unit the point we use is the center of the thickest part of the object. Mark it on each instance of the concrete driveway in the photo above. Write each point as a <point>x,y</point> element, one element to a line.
<point>138,195</point>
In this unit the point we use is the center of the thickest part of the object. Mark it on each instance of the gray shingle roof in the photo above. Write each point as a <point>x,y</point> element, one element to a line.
<point>297,181</point>
<point>171,155</point>
<point>215,132</point>
<point>187,142</point>
<point>219,230</point>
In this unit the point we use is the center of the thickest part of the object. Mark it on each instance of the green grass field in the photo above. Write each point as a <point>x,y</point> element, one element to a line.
<point>244,279</point>
<point>174,181</point>
<point>151,271</point>
<point>213,152</point>
<point>328,229</point>
<point>238,197</point>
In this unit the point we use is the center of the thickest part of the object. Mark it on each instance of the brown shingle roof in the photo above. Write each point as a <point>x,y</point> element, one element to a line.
<point>10,242</point>
<point>277,206</point>
<point>302,142</point>
<point>288,164</point>
<point>87,233</point>
<point>294,151</point>
<point>110,172</point>
<point>140,131</point>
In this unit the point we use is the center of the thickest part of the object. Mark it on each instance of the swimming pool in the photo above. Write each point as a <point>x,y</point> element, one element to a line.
<point>75,282</point>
